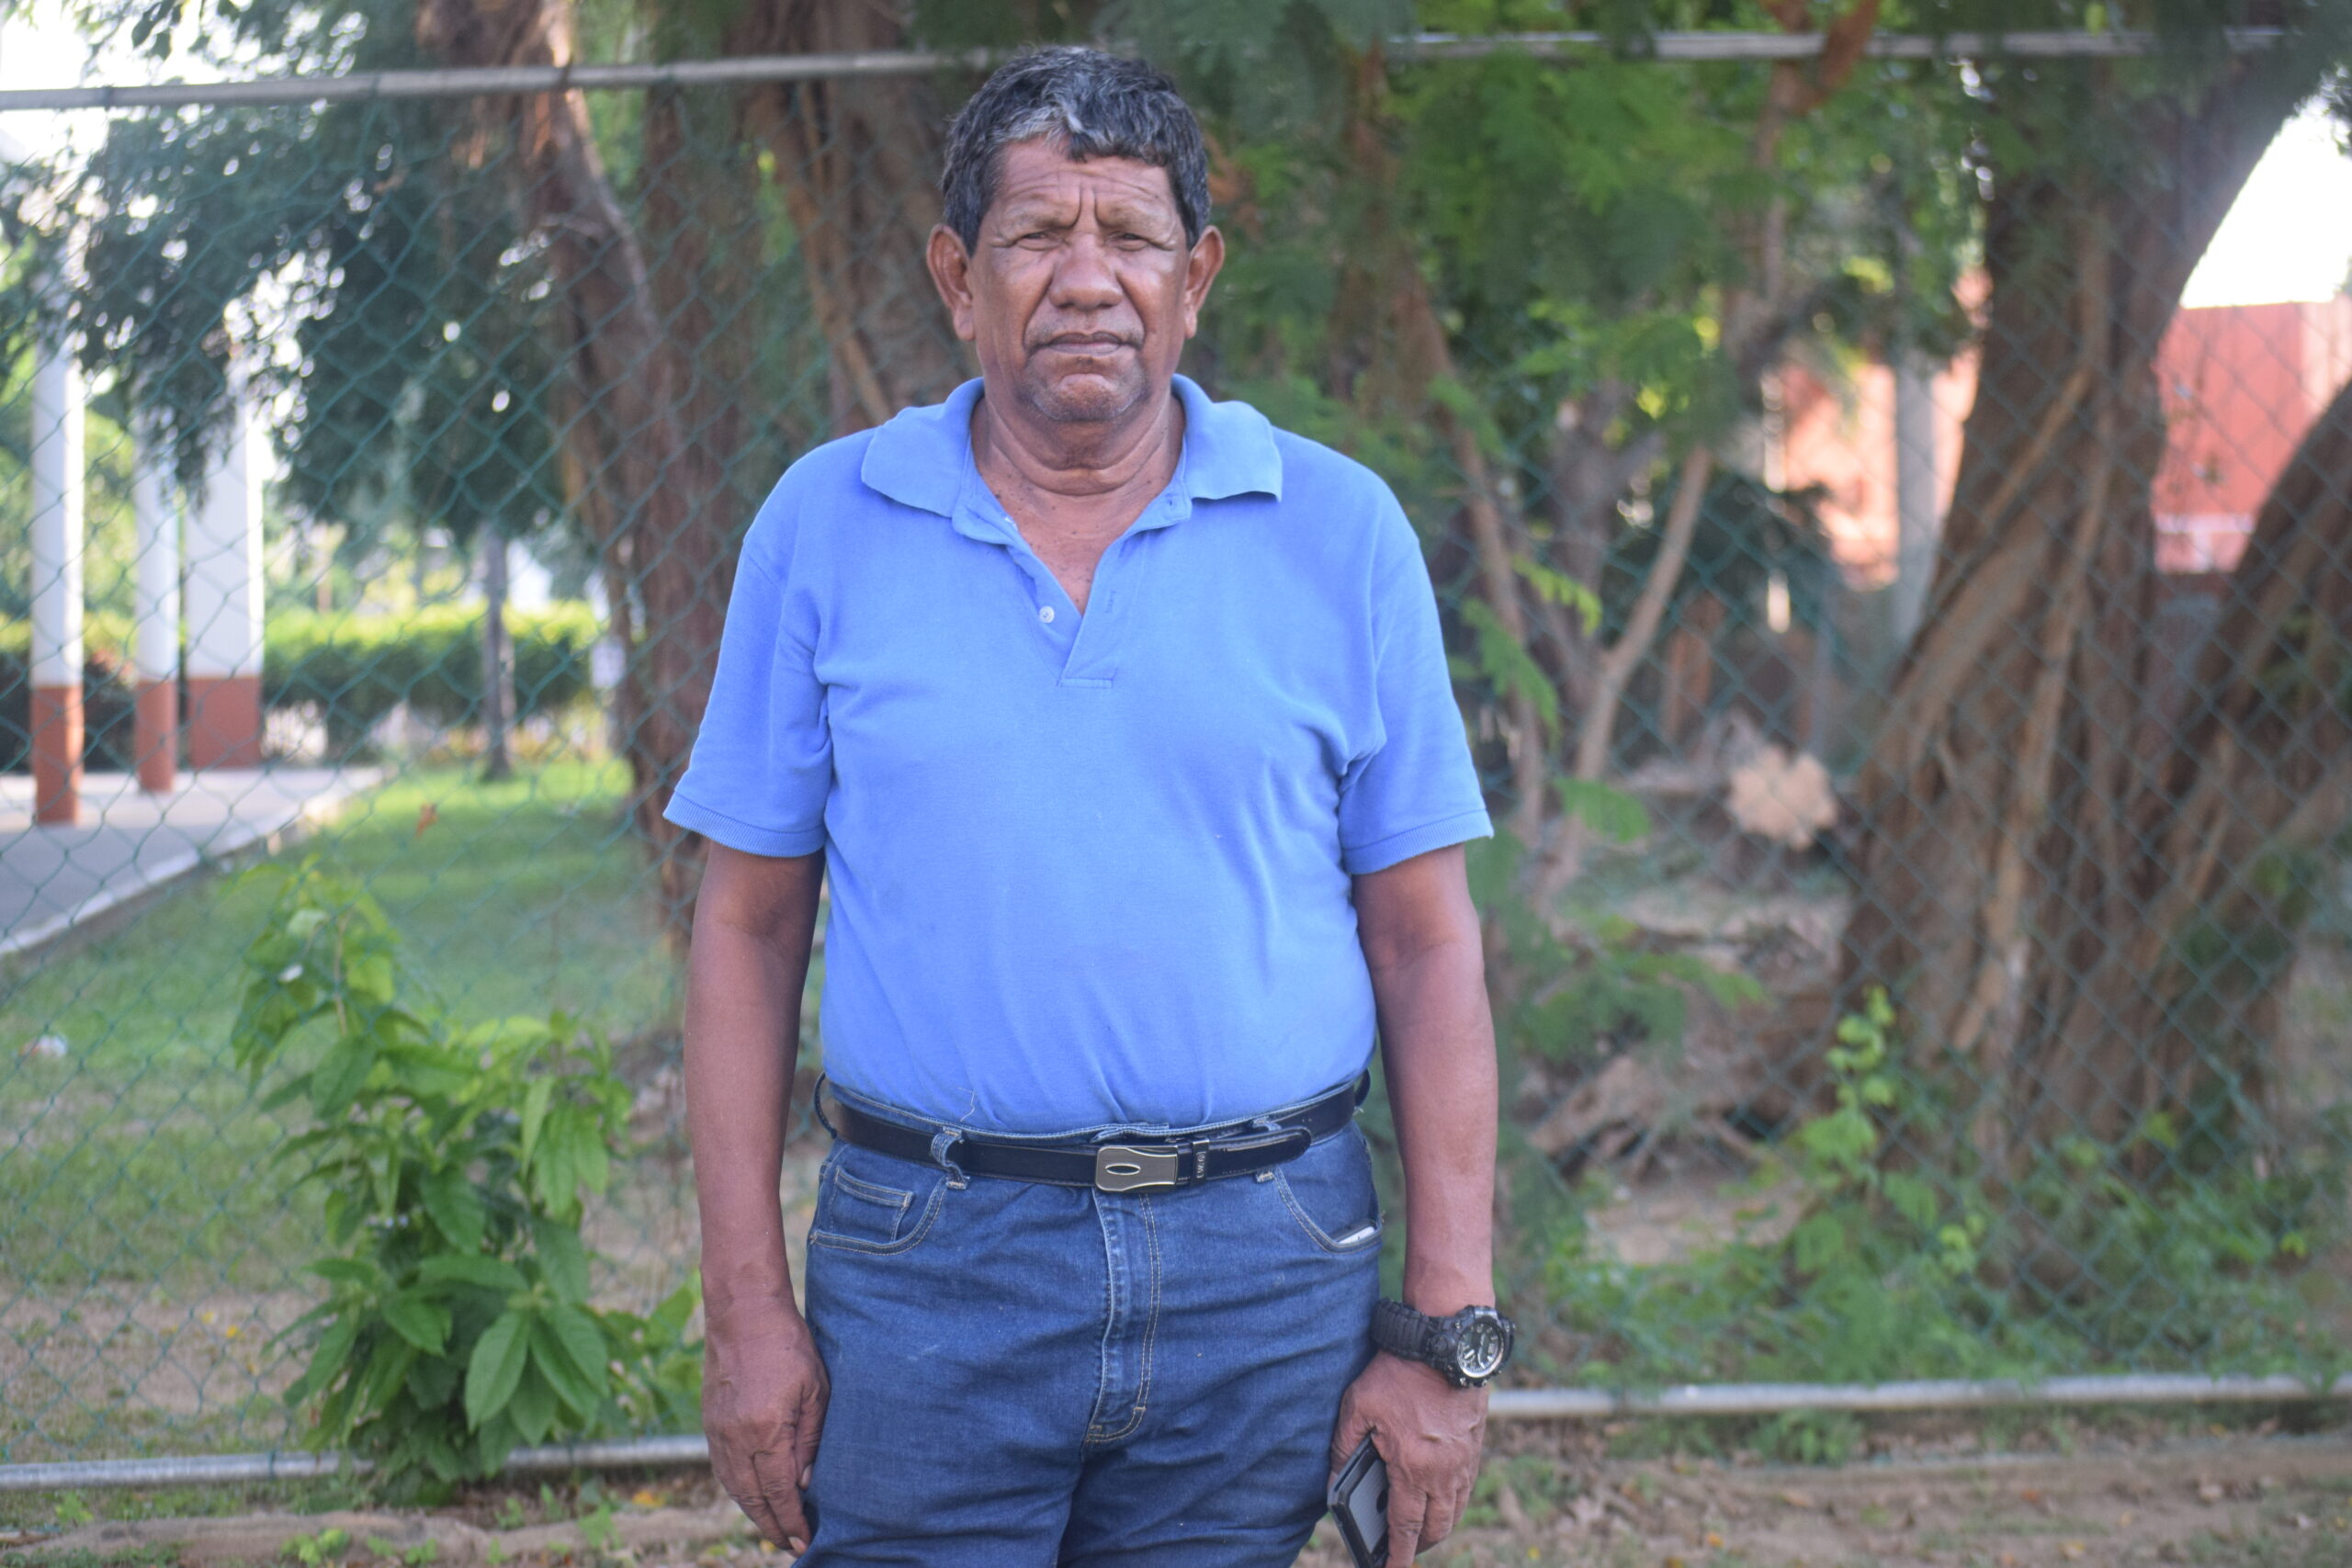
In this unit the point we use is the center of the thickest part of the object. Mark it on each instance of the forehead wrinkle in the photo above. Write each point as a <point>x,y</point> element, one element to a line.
<point>1056,196</point>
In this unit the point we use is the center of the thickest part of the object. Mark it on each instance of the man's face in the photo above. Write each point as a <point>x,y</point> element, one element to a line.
<point>1081,290</point>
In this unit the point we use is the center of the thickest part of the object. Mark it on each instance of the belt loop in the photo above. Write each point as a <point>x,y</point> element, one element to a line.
<point>941,1141</point>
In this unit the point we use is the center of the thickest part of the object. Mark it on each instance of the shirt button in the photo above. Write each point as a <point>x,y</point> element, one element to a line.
<point>1045,614</point>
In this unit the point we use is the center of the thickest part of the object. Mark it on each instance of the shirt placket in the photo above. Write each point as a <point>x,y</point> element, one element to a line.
<point>1083,643</point>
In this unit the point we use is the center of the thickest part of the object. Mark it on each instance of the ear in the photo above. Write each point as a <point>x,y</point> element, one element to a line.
<point>951,273</point>
<point>1200,270</point>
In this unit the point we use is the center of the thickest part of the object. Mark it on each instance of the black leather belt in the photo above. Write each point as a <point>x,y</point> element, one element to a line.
<point>1178,1159</point>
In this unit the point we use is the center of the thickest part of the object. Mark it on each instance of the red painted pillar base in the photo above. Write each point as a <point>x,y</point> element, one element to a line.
<point>155,735</point>
<point>57,755</point>
<point>224,721</point>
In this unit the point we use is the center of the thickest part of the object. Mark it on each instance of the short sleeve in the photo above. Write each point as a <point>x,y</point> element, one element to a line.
<point>1416,789</point>
<point>763,761</point>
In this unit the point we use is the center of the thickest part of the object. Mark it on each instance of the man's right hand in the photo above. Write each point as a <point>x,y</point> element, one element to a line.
<point>763,1392</point>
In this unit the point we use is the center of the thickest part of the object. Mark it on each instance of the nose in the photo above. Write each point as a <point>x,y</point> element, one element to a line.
<point>1083,276</point>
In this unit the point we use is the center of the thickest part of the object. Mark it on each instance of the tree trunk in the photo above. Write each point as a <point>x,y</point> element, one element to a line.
<point>857,161</point>
<point>2183,907</point>
<point>497,661</point>
<point>703,229</point>
<point>2000,865</point>
<point>662,534</point>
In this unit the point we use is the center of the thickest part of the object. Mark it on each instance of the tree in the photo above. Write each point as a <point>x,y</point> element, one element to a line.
<point>630,340</point>
<point>1537,294</point>
<point>2064,901</point>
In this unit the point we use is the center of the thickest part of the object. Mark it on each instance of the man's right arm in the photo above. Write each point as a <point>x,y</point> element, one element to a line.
<point>764,1386</point>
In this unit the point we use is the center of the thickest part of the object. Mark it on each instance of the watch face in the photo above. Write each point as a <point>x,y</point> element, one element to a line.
<point>1481,1348</point>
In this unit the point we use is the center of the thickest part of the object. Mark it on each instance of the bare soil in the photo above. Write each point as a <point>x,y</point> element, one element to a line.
<point>2248,1503</point>
<point>2232,1502</point>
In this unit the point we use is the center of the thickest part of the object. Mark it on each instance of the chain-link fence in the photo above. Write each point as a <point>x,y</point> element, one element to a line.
<point>1907,651</point>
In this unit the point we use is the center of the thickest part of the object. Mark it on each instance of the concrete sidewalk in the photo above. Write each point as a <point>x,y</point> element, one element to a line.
<point>52,879</point>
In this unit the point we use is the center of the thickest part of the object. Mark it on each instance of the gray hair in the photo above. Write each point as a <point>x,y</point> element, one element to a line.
<point>1093,106</point>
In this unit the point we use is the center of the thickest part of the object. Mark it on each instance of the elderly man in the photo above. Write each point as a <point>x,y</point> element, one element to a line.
<point>1120,723</point>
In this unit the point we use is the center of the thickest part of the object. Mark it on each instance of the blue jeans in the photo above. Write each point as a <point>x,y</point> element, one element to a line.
<point>1025,1374</point>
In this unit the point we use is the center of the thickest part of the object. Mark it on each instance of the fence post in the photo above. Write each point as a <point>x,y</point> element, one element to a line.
<point>57,478</point>
<point>155,652</point>
<point>224,608</point>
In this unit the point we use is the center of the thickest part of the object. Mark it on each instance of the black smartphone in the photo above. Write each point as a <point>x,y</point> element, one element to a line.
<point>1360,1502</point>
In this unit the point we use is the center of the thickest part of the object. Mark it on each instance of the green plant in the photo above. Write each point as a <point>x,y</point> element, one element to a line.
<point>312,1551</point>
<point>454,1162</point>
<point>73,1511</point>
<point>598,1530</point>
<point>1893,1268</point>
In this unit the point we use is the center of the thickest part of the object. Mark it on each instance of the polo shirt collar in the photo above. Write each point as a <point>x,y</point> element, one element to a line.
<point>923,457</point>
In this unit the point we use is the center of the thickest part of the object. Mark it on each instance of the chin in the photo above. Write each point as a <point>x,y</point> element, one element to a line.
<point>1086,400</point>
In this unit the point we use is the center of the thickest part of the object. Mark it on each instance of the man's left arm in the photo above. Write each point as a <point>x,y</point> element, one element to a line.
<point>1420,932</point>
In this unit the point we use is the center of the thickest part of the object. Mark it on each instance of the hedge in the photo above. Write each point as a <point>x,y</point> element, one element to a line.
<point>355,668</point>
<point>358,668</point>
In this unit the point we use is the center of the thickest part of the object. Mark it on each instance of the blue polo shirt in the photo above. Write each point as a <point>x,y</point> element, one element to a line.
<point>1086,870</point>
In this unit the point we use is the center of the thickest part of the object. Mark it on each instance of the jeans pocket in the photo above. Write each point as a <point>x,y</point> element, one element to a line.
<point>883,1206</point>
<point>1329,1193</point>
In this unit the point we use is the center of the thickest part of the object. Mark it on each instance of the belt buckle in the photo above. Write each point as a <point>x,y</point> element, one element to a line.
<point>1125,1168</point>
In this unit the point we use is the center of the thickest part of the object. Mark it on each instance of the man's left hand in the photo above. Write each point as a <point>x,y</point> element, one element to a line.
<point>1430,1434</point>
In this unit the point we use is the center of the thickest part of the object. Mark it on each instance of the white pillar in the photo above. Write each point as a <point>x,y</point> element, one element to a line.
<point>1917,504</point>
<point>155,652</point>
<point>57,478</point>
<point>224,607</point>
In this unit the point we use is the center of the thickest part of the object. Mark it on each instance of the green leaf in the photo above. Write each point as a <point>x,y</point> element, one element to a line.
<point>555,1363</point>
<point>496,1367</point>
<point>1558,588</point>
<point>1820,1241</point>
<point>471,1268</point>
<point>535,1112</point>
<point>570,1329</point>
<point>431,1380</point>
<point>1611,812</point>
<point>340,1075</point>
<point>346,1271</point>
<point>561,1257</point>
<point>1912,1197</point>
<point>387,1370</point>
<point>422,1321</point>
<point>457,1209</point>
<point>669,1320</point>
<point>1505,660</point>
<point>370,979</point>
<point>533,1407</point>
<point>328,1363</point>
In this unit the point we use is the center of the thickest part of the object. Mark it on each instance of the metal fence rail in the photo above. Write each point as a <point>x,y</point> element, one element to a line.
<point>1921,940</point>
<point>461,82</point>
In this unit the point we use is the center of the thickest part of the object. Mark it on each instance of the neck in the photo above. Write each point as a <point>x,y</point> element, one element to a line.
<point>1078,463</point>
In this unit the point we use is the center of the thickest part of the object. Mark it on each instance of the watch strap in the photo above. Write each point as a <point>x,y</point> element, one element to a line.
<point>1401,1331</point>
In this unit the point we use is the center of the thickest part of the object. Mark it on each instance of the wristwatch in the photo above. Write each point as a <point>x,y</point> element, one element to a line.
<point>1468,1349</point>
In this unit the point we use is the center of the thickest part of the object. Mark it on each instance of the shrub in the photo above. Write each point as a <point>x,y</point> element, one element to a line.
<point>356,667</point>
<point>455,1161</point>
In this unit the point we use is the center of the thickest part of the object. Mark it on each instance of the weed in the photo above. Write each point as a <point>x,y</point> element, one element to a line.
<point>312,1550</point>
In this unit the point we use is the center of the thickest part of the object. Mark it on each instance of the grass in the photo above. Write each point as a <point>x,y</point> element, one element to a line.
<point>136,1178</point>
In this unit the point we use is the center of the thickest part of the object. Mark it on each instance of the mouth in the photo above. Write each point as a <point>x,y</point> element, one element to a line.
<point>1093,343</point>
